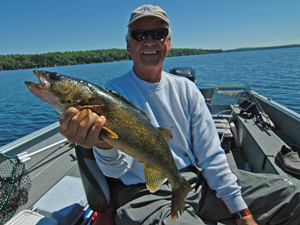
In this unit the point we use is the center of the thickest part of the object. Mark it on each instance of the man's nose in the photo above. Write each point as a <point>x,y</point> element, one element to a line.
<point>149,41</point>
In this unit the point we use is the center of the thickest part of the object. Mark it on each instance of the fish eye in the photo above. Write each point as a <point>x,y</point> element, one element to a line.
<point>54,76</point>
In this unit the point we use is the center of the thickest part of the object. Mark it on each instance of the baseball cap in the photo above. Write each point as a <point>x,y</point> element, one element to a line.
<point>148,10</point>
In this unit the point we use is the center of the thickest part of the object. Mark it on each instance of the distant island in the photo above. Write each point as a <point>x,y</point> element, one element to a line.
<point>51,59</point>
<point>262,48</point>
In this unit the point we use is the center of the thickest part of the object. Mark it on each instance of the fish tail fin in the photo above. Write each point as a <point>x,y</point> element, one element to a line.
<point>178,196</point>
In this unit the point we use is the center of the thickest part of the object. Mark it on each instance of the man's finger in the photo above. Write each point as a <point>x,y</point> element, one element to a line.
<point>95,132</point>
<point>96,128</point>
<point>87,119</point>
<point>65,119</point>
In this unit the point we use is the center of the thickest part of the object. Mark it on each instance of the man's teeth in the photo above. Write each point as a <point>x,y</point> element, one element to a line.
<point>149,53</point>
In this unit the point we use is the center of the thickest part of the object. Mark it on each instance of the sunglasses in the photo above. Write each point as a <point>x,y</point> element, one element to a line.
<point>156,34</point>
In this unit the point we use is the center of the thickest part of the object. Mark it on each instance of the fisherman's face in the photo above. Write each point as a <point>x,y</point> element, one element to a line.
<point>148,53</point>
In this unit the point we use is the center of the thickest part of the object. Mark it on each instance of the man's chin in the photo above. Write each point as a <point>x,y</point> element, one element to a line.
<point>152,60</point>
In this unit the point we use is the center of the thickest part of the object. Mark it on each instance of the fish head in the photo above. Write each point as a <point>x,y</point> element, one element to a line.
<point>58,90</point>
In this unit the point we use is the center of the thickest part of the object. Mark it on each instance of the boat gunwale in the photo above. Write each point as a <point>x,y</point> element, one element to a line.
<point>28,138</point>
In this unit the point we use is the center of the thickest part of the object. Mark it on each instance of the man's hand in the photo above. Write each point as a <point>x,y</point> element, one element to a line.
<point>246,220</point>
<point>83,127</point>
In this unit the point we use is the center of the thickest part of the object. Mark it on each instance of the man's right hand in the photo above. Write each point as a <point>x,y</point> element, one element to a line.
<point>83,127</point>
<point>247,220</point>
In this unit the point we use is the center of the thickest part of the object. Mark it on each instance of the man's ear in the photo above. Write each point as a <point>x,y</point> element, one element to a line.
<point>169,44</point>
<point>128,45</point>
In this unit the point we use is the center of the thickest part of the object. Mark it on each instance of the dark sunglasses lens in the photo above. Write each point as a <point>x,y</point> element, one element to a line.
<point>138,35</point>
<point>156,34</point>
<point>160,33</point>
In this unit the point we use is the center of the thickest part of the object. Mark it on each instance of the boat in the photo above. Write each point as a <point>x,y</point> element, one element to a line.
<point>67,187</point>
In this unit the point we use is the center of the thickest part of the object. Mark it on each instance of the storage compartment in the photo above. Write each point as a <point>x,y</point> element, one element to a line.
<point>28,217</point>
<point>64,202</point>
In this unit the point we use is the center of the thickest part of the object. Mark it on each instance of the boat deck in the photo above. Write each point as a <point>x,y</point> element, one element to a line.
<point>49,171</point>
<point>49,159</point>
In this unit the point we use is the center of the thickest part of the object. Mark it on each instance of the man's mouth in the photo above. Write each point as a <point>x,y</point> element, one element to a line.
<point>149,53</point>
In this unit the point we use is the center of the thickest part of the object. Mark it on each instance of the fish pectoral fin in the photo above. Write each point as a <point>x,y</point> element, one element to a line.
<point>96,107</point>
<point>166,133</point>
<point>90,106</point>
<point>107,133</point>
<point>154,178</point>
<point>57,113</point>
<point>94,104</point>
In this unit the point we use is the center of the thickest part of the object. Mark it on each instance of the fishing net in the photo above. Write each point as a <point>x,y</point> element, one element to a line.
<point>14,186</point>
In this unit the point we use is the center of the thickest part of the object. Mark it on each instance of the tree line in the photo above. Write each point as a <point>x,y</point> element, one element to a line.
<point>262,48</point>
<point>51,59</point>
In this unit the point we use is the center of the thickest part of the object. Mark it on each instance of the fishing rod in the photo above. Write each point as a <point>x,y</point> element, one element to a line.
<point>263,115</point>
<point>260,114</point>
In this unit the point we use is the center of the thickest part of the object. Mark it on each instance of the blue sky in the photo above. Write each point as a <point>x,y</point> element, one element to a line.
<point>41,26</point>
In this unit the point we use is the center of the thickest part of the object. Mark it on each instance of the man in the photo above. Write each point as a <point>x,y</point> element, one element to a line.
<point>174,103</point>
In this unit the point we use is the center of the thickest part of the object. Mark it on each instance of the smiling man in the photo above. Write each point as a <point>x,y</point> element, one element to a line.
<point>175,103</point>
<point>148,43</point>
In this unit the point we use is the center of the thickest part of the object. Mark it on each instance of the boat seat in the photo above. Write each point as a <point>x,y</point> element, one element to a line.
<point>207,94</point>
<point>94,182</point>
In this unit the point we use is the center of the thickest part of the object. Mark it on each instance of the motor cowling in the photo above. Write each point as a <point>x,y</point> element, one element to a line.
<point>188,72</point>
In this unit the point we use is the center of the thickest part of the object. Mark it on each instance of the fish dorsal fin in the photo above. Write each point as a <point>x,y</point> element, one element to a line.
<point>166,133</point>
<point>129,103</point>
<point>154,179</point>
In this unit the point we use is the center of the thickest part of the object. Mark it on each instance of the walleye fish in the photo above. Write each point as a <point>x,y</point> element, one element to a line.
<point>127,128</point>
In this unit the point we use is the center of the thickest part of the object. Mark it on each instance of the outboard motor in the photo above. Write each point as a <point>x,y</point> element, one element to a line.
<point>188,72</point>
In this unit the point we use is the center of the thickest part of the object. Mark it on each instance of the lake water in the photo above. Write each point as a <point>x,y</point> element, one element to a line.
<point>272,73</point>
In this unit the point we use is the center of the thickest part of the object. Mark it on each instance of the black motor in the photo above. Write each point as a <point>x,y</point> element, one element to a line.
<point>188,72</point>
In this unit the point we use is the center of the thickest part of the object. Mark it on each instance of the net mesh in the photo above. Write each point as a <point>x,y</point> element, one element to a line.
<point>14,186</point>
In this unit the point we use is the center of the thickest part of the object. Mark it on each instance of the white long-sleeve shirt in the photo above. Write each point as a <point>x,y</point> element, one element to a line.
<point>176,104</point>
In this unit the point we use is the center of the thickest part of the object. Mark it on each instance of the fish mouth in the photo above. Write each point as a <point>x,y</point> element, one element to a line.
<point>39,89</point>
<point>43,83</point>
<point>41,76</point>
<point>42,89</point>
